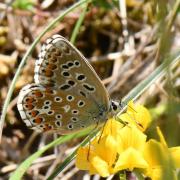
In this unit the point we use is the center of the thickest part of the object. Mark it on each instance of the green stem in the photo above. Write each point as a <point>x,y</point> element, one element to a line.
<point>78,24</point>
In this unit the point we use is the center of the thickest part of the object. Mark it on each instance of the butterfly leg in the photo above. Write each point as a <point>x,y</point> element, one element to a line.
<point>89,146</point>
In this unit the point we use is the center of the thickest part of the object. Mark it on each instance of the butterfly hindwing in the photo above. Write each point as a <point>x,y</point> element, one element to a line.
<point>46,109</point>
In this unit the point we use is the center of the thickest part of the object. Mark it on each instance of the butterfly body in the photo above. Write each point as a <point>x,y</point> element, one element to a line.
<point>67,95</point>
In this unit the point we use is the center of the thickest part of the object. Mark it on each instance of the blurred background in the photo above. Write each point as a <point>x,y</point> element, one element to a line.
<point>123,40</point>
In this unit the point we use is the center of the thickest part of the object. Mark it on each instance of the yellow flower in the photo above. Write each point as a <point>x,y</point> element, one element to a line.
<point>118,147</point>
<point>136,115</point>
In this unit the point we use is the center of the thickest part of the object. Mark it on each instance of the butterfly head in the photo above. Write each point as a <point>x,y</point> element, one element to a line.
<point>115,107</point>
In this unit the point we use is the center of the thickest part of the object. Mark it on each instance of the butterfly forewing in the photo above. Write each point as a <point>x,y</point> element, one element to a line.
<point>67,94</point>
<point>63,67</point>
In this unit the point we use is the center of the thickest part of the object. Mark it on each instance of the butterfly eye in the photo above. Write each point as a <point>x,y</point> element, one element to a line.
<point>114,107</point>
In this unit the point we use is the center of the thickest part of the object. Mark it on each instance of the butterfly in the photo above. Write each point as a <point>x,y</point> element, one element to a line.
<point>67,95</point>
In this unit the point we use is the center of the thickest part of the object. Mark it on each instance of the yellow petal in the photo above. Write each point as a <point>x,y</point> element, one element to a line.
<point>130,159</point>
<point>175,153</point>
<point>130,137</point>
<point>106,148</point>
<point>155,173</point>
<point>82,158</point>
<point>137,115</point>
<point>100,166</point>
<point>111,128</point>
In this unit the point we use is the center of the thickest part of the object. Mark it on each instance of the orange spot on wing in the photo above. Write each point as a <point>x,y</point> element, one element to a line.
<point>38,120</point>
<point>47,127</point>
<point>30,100</point>
<point>34,113</point>
<point>52,66</point>
<point>38,94</point>
<point>49,73</point>
<point>29,106</point>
